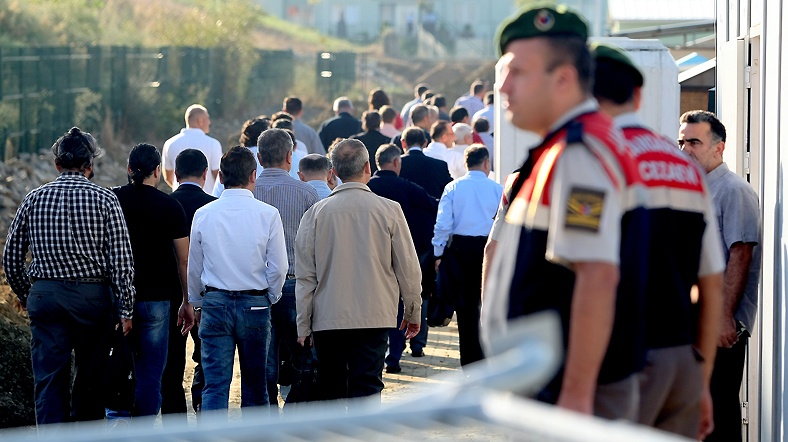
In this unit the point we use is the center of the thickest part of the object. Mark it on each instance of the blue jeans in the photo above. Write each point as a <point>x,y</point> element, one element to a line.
<point>151,334</point>
<point>231,319</point>
<point>66,316</point>
<point>283,334</point>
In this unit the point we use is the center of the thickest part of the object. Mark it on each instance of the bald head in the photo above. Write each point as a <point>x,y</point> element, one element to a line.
<point>197,118</point>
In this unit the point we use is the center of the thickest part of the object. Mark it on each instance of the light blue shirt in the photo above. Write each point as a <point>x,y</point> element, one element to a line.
<point>322,188</point>
<point>467,207</point>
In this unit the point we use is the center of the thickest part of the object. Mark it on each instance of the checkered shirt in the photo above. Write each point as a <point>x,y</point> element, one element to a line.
<point>73,229</point>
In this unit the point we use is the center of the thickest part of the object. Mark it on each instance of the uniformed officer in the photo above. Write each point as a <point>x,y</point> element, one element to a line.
<point>558,248</point>
<point>674,388</point>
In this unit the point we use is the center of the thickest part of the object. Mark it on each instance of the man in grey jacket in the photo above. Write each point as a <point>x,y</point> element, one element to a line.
<point>348,309</point>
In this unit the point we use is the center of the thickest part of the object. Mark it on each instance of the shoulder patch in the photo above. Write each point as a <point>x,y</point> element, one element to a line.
<point>584,209</point>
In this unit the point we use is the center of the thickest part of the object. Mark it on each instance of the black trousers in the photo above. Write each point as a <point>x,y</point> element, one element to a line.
<point>726,381</point>
<point>461,279</point>
<point>173,397</point>
<point>351,361</point>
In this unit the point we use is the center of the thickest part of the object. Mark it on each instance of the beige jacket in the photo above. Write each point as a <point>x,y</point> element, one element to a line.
<point>354,256</point>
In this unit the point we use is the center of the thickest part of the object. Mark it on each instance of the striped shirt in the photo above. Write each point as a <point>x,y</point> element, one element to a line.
<point>73,229</point>
<point>291,197</point>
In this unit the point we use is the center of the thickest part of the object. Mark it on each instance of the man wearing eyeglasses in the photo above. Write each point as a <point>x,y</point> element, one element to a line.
<point>702,137</point>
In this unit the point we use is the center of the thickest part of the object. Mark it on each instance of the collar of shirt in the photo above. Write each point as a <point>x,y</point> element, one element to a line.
<point>385,173</point>
<point>437,145</point>
<point>717,173</point>
<point>588,105</point>
<point>237,193</point>
<point>69,175</point>
<point>190,182</point>
<point>350,186</point>
<point>414,148</point>
<point>271,172</point>
<point>629,119</point>
<point>319,183</point>
<point>476,174</point>
<point>192,130</point>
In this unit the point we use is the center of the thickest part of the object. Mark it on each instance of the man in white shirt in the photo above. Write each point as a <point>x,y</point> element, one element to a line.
<point>315,170</point>
<point>237,266</point>
<point>194,136</point>
<point>442,148</point>
<point>465,217</point>
<point>463,138</point>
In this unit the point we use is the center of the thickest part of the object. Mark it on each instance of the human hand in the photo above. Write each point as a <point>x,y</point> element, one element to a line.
<point>411,329</point>
<point>728,335</point>
<point>303,341</point>
<point>706,415</point>
<point>126,324</point>
<point>186,317</point>
<point>437,264</point>
<point>576,403</point>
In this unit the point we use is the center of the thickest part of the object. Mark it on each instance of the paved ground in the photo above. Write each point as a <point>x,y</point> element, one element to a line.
<point>440,356</point>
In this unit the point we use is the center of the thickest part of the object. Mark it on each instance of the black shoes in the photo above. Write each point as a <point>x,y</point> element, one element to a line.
<point>417,353</point>
<point>393,369</point>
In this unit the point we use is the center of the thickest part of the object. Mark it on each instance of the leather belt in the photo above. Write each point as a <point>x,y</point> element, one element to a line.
<point>263,292</point>
<point>290,276</point>
<point>80,280</point>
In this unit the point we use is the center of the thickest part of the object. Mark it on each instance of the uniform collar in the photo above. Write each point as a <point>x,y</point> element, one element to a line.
<point>629,119</point>
<point>589,105</point>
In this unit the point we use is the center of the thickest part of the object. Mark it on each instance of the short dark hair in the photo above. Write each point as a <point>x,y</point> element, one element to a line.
<point>282,123</point>
<point>314,163</point>
<point>378,99</point>
<point>418,113</point>
<point>75,150</point>
<point>439,128</point>
<point>489,97</point>
<point>427,95</point>
<point>273,146</point>
<point>251,130</point>
<point>143,160</point>
<point>701,116</point>
<point>574,51</point>
<point>386,154</point>
<point>349,157</point>
<point>293,105</point>
<point>237,165</point>
<point>481,125</point>
<point>414,136</point>
<point>420,88</point>
<point>477,86</point>
<point>388,114</point>
<point>458,113</point>
<point>371,120</point>
<point>281,115</point>
<point>475,155</point>
<point>190,163</point>
<point>613,82</point>
<point>439,101</point>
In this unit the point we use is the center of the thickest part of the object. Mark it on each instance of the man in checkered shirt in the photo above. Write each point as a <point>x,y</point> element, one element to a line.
<point>81,252</point>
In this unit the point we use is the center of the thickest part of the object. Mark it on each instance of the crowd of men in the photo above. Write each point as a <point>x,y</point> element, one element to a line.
<point>353,237</point>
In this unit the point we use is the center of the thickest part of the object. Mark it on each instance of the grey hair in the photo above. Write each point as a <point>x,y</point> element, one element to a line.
<point>342,103</point>
<point>349,157</point>
<point>386,154</point>
<point>273,146</point>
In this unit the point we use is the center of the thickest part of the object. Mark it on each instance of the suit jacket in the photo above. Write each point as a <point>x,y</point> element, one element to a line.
<point>191,198</point>
<point>372,140</point>
<point>343,125</point>
<point>419,207</point>
<point>429,173</point>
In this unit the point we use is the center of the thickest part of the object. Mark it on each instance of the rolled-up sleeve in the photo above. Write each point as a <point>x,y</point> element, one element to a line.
<point>406,267</point>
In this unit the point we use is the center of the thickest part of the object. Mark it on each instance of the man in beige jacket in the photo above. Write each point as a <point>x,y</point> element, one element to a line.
<point>354,259</point>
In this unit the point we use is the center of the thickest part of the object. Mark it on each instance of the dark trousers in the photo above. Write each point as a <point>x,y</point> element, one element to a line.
<point>66,316</point>
<point>461,275</point>
<point>725,384</point>
<point>351,361</point>
<point>198,381</point>
<point>173,396</point>
<point>284,339</point>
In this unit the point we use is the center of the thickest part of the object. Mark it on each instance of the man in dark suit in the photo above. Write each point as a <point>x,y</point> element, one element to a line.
<point>343,125</point>
<point>372,138</point>
<point>420,211</point>
<point>191,168</point>
<point>429,173</point>
<point>421,118</point>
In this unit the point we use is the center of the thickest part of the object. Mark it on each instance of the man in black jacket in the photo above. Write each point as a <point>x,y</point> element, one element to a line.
<point>191,168</point>
<point>420,210</point>
<point>429,173</point>
<point>372,138</point>
<point>343,125</point>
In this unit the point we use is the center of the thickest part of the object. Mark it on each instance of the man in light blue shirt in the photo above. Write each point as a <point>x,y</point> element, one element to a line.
<point>465,217</point>
<point>315,169</point>
<point>237,266</point>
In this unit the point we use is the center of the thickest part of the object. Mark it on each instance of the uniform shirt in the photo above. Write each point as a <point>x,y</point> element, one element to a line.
<point>739,220</point>
<point>321,186</point>
<point>657,257</point>
<point>291,198</point>
<point>190,138</point>
<point>308,135</point>
<point>237,243</point>
<point>154,220</point>
<point>354,259</point>
<point>467,208</point>
<point>73,229</point>
<point>568,209</point>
